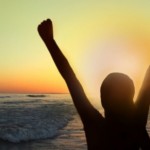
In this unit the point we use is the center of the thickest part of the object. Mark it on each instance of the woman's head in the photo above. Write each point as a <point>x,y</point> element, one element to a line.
<point>117,92</point>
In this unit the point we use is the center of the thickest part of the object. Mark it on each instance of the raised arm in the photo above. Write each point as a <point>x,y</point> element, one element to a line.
<point>81,102</point>
<point>143,100</point>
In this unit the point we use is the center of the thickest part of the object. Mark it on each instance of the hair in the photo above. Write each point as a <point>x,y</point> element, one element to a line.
<point>114,83</point>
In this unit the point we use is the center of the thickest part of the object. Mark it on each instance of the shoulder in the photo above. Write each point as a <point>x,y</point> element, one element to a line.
<point>97,120</point>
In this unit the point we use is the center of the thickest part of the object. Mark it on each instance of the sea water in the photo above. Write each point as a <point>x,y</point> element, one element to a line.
<point>41,122</point>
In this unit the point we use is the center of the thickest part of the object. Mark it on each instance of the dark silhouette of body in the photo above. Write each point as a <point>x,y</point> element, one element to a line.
<point>124,125</point>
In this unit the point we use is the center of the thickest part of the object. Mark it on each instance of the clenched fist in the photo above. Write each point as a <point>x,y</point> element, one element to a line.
<point>45,30</point>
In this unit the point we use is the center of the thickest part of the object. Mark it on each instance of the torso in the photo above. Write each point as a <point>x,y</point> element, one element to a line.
<point>102,135</point>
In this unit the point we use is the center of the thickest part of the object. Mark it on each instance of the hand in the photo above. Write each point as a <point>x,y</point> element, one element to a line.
<point>45,30</point>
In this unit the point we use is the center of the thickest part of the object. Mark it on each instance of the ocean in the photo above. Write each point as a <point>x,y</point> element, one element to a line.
<point>41,122</point>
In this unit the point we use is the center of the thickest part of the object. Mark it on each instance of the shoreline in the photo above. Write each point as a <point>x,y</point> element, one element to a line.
<point>72,135</point>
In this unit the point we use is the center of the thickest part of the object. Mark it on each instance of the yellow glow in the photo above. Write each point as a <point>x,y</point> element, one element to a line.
<point>97,38</point>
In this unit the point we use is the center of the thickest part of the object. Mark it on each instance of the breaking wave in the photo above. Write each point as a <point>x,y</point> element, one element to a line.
<point>31,121</point>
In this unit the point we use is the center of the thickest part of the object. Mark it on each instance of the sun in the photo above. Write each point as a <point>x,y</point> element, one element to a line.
<point>114,54</point>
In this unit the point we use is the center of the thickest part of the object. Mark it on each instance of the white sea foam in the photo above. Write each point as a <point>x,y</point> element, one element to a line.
<point>23,120</point>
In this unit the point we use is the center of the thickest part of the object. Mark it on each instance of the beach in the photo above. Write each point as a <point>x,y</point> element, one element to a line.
<point>41,122</point>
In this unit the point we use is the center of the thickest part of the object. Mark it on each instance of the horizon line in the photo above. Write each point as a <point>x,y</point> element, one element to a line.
<point>34,93</point>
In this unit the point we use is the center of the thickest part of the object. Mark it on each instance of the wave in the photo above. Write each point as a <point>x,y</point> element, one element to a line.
<point>33,123</point>
<point>5,96</point>
<point>21,102</point>
<point>36,95</point>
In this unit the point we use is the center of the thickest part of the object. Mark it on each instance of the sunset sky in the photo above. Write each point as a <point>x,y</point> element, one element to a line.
<point>97,37</point>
